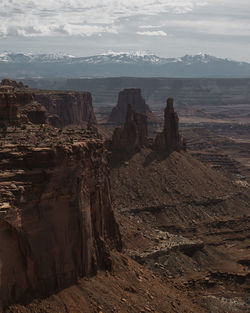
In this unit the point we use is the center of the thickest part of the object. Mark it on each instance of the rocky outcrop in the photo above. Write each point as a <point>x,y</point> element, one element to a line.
<point>170,139</point>
<point>17,106</point>
<point>9,103</point>
<point>73,108</point>
<point>12,83</point>
<point>132,136</point>
<point>8,106</point>
<point>35,112</point>
<point>55,121</point>
<point>56,218</point>
<point>130,96</point>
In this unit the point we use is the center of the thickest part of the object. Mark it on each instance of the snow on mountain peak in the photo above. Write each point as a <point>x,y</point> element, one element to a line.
<point>109,57</point>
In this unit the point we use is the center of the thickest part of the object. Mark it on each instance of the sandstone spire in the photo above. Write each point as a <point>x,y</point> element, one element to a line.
<point>128,96</point>
<point>133,135</point>
<point>170,139</point>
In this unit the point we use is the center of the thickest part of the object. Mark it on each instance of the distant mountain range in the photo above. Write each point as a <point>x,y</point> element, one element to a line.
<point>115,64</point>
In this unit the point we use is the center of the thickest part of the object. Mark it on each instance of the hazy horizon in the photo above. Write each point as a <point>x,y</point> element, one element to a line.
<point>114,52</point>
<point>165,28</point>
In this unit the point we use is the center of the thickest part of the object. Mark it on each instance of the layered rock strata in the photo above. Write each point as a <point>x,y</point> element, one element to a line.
<point>130,96</point>
<point>73,108</point>
<point>130,138</point>
<point>56,218</point>
<point>170,139</point>
<point>9,103</point>
<point>133,135</point>
<point>12,83</point>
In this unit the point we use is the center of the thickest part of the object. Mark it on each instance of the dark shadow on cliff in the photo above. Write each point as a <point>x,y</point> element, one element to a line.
<point>156,156</point>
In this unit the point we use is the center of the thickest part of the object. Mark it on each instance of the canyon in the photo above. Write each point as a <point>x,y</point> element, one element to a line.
<point>142,217</point>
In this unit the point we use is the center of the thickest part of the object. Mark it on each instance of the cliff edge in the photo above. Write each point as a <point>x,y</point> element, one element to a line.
<point>56,218</point>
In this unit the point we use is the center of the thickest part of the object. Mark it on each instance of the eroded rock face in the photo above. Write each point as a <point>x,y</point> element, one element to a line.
<point>9,103</point>
<point>8,106</point>
<point>14,103</point>
<point>12,83</point>
<point>35,112</point>
<point>73,108</point>
<point>133,135</point>
<point>170,139</point>
<point>130,96</point>
<point>56,218</point>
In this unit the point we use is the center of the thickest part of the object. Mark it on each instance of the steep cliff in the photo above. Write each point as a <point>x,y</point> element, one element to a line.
<point>130,96</point>
<point>12,83</point>
<point>73,108</point>
<point>170,139</point>
<point>10,101</point>
<point>56,218</point>
<point>132,136</point>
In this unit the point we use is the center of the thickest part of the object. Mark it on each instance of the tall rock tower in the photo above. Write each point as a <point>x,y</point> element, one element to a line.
<point>128,96</point>
<point>170,139</point>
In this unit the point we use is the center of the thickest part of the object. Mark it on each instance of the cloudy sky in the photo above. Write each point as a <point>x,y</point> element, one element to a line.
<point>167,28</point>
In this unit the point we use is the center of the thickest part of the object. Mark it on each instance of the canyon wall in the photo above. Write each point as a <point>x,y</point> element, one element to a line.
<point>56,218</point>
<point>12,83</point>
<point>133,97</point>
<point>194,91</point>
<point>73,108</point>
<point>9,102</point>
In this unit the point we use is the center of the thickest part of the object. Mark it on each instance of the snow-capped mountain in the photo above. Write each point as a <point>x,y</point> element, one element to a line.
<point>104,58</point>
<point>111,63</point>
<point>33,58</point>
<point>123,58</point>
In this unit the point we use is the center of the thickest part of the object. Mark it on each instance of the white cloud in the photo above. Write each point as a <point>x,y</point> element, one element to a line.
<point>78,17</point>
<point>150,26</point>
<point>152,33</point>
<point>215,26</point>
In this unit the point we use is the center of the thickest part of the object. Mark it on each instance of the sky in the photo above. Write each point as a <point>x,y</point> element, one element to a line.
<point>167,28</point>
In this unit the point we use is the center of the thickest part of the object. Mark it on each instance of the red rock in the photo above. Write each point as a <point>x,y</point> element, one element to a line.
<point>133,135</point>
<point>38,116</point>
<point>11,82</point>
<point>8,106</point>
<point>170,139</point>
<point>130,96</point>
<point>24,97</point>
<point>55,121</point>
<point>56,218</point>
<point>73,108</point>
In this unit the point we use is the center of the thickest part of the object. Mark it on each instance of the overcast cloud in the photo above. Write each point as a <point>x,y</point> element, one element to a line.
<point>166,28</point>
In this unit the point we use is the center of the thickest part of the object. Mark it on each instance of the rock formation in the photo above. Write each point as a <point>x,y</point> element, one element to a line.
<point>73,108</point>
<point>12,83</point>
<point>56,218</point>
<point>35,112</point>
<point>133,135</point>
<point>8,106</point>
<point>9,102</point>
<point>130,96</point>
<point>170,139</point>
